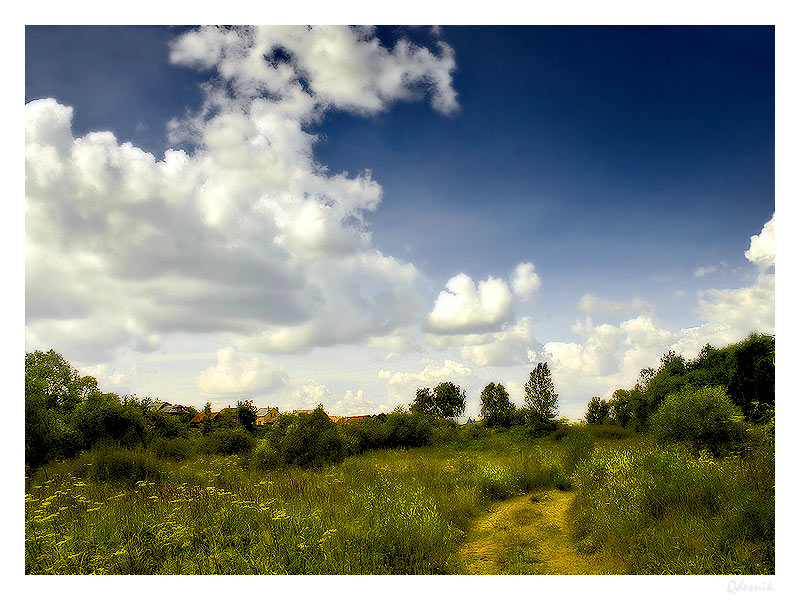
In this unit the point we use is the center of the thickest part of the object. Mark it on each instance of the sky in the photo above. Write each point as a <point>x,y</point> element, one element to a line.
<point>339,215</point>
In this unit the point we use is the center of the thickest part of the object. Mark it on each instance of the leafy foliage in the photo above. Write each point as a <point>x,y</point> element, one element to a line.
<point>541,401</point>
<point>597,411</point>
<point>496,407</point>
<point>246,415</point>
<point>705,418</point>
<point>745,370</point>
<point>446,401</point>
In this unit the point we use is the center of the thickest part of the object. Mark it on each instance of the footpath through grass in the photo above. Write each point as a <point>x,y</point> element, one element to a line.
<point>388,512</point>
<point>637,509</point>
<point>528,535</point>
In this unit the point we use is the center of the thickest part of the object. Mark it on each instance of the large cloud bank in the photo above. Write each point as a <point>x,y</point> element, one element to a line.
<point>246,235</point>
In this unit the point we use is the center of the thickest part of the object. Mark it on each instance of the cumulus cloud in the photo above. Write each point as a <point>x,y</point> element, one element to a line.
<point>464,307</point>
<point>246,236</point>
<point>234,375</point>
<point>395,344</point>
<point>607,357</point>
<point>595,357</point>
<point>525,281</point>
<point>512,345</point>
<point>430,374</point>
<point>343,67</point>
<point>591,304</point>
<point>762,246</point>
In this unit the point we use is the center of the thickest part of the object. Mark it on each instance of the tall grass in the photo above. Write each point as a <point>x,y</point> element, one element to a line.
<point>665,510</point>
<point>397,511</point>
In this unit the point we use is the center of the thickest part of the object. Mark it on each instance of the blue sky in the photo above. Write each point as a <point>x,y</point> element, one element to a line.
<point>589,196</point>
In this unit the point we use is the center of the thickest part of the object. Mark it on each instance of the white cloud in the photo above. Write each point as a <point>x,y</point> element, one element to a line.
<point>762,246</point>
<point>509,346</point>
<point>247,236</point>
<point>343,67</point>
<point>237,376</point>
<point>430,374</point>
<point>709,269</point>
<point>608,357</point>
<point>591,304</point>
<point>465,308</point>
<point>397,343</point>
<point>595,357</point>
<point>525,281</point>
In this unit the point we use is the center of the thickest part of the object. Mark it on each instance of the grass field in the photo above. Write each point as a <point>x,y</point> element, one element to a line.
<point>393,511</point>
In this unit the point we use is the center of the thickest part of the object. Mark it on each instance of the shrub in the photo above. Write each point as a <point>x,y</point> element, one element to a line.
<point>312,441</point>
<point>704,418</point>
<point>172,449</point>
<point>368,434</point>
<point>162,425</point>
<point>104,418</point>
<point>266,456</point>
<point>228,441</point>
<point>408,430</point>
<point>106,464</point>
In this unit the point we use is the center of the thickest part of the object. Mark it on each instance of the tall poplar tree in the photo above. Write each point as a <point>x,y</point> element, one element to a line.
<point>540,394</point>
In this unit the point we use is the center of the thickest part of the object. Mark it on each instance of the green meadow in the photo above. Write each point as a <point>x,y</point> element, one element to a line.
<point>647,510</point>
<point>675,476</point>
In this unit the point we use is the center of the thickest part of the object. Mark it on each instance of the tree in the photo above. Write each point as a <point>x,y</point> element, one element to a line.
<point>246,413</point>
<point>205,424</point>
<point>496,408</point>
<point>312,441</point>
<point>705,418</point>
<point>621,412</point>
<point>540,394</point>
<point>597,411</point>
<point>446,401</point>
<point>51,378</point>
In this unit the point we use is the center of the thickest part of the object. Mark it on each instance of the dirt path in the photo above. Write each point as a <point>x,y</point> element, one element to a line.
<point>526,535</point>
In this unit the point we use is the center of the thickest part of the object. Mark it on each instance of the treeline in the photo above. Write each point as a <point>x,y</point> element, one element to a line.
<point>66,413</point>
<point>707,401</point>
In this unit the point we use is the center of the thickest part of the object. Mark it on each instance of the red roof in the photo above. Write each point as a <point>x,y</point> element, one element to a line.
<point>198,418</point>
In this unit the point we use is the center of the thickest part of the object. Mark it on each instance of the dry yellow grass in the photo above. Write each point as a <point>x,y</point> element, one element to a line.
<point>526,535</point>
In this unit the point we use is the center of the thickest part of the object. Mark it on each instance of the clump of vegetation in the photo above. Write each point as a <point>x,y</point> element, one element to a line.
<point>541,402</point>
<point>309,441</point>
<point>663,510</point>
<point>497,410</point>
<point>446,401</point>
<point>227,441</point>
<point>704,418</point>
<point>122,465</point>
<point>175,449</point>
<point>745,371</point>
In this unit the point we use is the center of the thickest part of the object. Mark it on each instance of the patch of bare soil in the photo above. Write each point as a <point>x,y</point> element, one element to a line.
<point>526,535</point>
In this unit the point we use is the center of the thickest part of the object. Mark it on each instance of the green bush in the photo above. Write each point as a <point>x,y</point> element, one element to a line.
<point>312,441</point>
<point>369,434</point>
<point>228,441</point>
<point>109,464</point>
<point>172,449</point>
<point>266,456</point>
<point>704,418</point>
<point>162,425</point>
<point>103,418</point>
<point>408,430</point>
